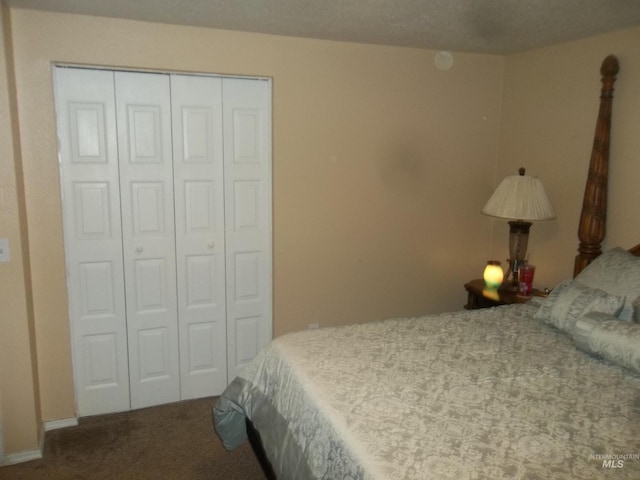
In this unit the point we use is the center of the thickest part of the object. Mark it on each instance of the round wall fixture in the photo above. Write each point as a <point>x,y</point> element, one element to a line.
<point>443,60</point>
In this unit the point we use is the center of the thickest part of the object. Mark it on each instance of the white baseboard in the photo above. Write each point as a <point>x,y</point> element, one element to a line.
<point>35,454</point>
<point>63,423</point>
<point>22,457</point>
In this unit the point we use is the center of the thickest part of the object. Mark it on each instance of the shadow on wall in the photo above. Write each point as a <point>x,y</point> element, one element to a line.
<point>403,171</point>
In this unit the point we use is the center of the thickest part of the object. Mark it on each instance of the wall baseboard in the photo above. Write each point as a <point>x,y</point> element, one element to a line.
<point>62,423</point>
<point>35,454</point>
<point>20,457</point>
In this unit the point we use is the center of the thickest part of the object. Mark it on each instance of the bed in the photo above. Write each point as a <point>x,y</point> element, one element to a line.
<point>545,389</point>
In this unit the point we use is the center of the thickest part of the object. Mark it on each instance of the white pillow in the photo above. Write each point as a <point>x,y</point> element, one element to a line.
<point>607,337</point>
<point>571,300</point>
<point>617,272</point>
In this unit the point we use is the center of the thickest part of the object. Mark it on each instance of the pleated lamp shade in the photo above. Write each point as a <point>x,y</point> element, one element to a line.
<point>520,197</point>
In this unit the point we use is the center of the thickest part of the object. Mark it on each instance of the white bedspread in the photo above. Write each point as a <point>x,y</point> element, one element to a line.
<point>484,394</point>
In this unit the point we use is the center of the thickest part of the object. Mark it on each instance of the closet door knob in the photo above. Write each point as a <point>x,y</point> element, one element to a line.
<point>211,245</point>
<point>139,249</point>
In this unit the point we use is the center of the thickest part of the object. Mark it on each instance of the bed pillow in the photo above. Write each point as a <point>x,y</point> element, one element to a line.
<point>617,272</point>
<point>584,326</point>
<point>571,300</point>
<point>609,338</point>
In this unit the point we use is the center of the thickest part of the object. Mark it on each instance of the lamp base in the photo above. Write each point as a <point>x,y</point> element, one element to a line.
<point>518,242</point>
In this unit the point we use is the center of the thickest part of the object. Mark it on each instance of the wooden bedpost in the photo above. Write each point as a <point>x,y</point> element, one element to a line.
<point>593,219</point>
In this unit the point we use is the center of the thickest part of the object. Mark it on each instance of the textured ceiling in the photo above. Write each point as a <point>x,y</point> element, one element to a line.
<point>480,26</point>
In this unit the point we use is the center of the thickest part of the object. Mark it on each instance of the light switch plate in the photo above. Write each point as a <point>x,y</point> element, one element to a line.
<point>4,250</point>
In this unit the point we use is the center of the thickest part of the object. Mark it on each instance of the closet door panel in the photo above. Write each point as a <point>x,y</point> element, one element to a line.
<point>86,121</point>
<point>247,157</point>
<point>146,189</point>
<point>200,241</point>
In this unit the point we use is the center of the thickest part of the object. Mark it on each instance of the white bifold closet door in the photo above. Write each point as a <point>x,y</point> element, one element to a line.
<point>247,190</point>
<point>143,116</point>
<point>199,200</point>
<point>167,221</point>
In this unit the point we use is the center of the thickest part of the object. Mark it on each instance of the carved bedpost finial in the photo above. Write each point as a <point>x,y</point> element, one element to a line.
<point>610,67</point>
<point>593,217</point>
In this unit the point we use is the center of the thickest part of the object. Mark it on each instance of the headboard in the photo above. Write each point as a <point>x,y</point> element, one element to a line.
<point>635,250</point>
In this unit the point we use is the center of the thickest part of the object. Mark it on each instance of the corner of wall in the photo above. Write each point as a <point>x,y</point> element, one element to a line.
<point>20,414</point>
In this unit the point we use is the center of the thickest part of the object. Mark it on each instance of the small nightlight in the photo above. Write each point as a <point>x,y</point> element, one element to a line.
<point>493,274</point>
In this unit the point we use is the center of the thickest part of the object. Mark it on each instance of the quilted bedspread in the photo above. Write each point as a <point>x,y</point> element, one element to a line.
<point>483,394</point>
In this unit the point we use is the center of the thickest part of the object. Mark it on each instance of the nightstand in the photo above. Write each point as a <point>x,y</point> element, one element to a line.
<point>479,297</point>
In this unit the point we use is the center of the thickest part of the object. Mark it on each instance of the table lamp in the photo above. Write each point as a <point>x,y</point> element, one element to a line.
<point>521,199</point>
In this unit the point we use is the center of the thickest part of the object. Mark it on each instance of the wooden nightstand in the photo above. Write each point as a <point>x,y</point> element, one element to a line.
<point>479,297</point>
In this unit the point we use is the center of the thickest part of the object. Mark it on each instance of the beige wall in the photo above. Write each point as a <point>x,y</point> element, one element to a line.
<point>550,106</point>
<point>381,163</point>
<point>19,400</point>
